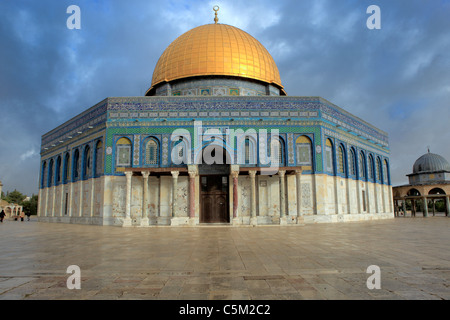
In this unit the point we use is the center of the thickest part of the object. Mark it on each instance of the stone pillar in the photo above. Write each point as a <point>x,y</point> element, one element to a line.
<point>127,220</point>
<point>281,174</point>
<point>447,206</point>
<point>298,175</point>
<point>404,208</point>
<point>53,199</point>
<point>92,195</point>
<point>175,175</point>
<point>144,218</point>
<point>425,206</point>
<point>253,218</point>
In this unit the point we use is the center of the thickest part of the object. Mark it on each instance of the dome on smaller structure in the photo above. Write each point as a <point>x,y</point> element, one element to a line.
<point>431,162</point>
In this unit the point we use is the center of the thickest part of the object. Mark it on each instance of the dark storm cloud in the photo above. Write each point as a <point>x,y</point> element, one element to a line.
<point>395,78</point>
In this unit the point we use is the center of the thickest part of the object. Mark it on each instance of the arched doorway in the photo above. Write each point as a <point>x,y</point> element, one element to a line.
<point>214,185</point>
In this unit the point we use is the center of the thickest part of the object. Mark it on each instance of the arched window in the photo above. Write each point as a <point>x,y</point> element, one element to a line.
<point>44,175</point>
<point>123,152</point>
<point>379,169</point>
<point>341,160</point>
<point>362,165</point>
<point>58,169</point>
<point>249,151</point>
<point>371,167</point>
<point>303,148</point>
<point>98,158</point>
<point>87,163</point>
<point>66,168</point>
<point>385,172</point>
<point>329,156</point>
<point>76,165</point>
<point>179,152</point>
<point>352,162</point>
<point>50,173</point>
<point>276,152</point>
<point>151,152</point>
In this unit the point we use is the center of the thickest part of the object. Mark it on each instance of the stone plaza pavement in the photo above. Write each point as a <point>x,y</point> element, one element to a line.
<point>321,261</point>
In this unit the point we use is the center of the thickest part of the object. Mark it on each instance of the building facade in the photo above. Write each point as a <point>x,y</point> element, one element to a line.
<point>429,182</point>
<point>215,140</point>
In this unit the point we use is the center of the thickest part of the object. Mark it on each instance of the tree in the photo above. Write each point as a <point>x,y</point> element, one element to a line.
<point>15,197</point>
<point>31,205</point>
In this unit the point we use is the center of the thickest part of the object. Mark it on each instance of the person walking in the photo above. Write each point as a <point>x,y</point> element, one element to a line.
<point>28,215</point>
<point>2,216</point>
<point>22,215</point>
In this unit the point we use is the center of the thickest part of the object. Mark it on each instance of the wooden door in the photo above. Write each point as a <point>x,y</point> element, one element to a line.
<point>214,199</point>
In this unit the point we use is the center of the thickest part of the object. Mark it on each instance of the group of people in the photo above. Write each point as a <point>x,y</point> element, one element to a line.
<point>21,216</point>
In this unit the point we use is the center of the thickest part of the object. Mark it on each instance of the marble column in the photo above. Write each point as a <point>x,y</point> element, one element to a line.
<point>192,176</point>
<point>235,175</point>
<point>175,175</point>
<point>282,176</point>
<point>253,218</point>
<point>425,206</point>
<point>127,220</point>
<point>298,176</point>
<point>144,218</point>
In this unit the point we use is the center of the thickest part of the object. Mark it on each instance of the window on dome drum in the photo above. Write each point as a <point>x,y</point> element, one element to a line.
<point>371,166</point>
<point>304,156</point>
<point>362,167</point>
<point>58,169</point>
<point>50,173</point>
<point>352,161</point>
<point>151,152</point>
<point>87,163</point>
<point>98,158</point>
<point>329,156</point>
<point>123,152</point>
<point>66,168</point>
<point>76,164</point>
<point>341,160</point>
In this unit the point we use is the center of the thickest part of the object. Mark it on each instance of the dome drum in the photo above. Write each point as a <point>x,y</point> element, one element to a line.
<point>215,86</point>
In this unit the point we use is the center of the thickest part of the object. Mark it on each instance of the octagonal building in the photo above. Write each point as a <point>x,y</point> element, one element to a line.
<point>215,140</point>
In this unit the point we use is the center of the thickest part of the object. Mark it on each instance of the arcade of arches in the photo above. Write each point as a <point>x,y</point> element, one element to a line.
<point>422,194</point>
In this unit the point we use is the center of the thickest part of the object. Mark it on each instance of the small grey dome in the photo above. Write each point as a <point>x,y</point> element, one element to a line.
<point>431,162</point>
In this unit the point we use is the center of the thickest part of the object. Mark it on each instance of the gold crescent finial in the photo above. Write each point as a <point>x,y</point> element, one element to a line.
<point>216,19</point>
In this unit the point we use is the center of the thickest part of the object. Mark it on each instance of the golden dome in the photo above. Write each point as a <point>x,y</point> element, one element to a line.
<point>216,49</point>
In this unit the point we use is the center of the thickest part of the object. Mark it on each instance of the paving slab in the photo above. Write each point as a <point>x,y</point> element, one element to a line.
<point>320,261</point>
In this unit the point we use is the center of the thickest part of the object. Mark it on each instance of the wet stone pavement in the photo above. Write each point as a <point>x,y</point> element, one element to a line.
<point>321,261</point>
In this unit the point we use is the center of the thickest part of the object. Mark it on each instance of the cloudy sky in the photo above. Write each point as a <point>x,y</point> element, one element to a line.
<point>396,78</point>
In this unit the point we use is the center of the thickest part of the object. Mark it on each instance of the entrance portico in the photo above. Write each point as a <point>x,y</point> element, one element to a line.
<point>223,192</point>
